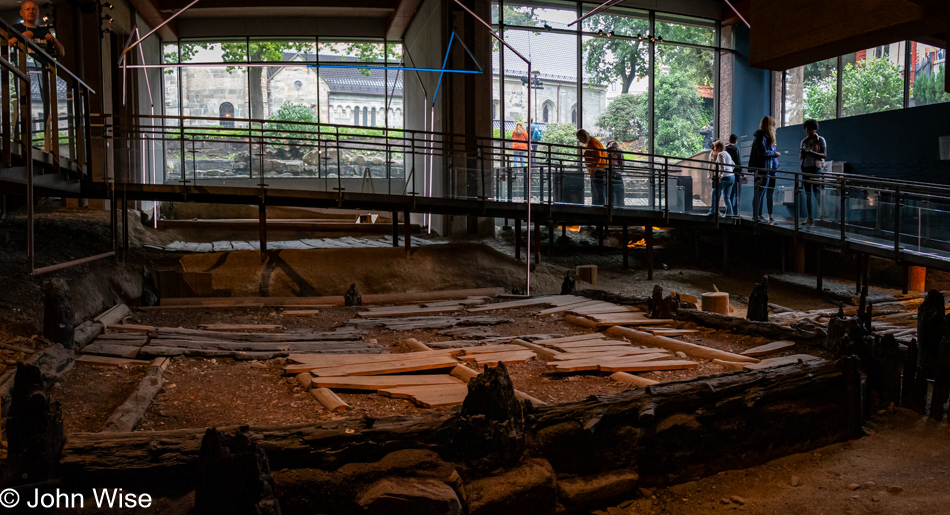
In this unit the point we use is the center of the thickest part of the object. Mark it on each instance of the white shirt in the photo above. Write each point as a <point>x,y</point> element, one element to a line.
<point>728,165</point>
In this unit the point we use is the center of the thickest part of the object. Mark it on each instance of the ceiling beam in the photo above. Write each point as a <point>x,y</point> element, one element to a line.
<point>399,21</point>
<point>276,5</point>
<point>786,34</point>
<point>150,12</point>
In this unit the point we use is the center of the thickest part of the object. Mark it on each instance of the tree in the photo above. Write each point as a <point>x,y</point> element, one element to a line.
<point>930,88</point>
<point>867,86</point>
<point>607,59</point>
<point>679,113</point>
<point>625,119</point>
<point>292,127</point>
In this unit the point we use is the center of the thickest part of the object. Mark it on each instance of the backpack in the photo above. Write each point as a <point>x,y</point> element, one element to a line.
<point>535,133</point>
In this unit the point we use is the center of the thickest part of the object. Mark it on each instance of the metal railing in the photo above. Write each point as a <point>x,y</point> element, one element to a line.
<point>903,216</point>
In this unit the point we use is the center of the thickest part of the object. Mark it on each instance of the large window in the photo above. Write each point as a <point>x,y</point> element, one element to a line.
<point>871,80</point>
<point>596,75</point>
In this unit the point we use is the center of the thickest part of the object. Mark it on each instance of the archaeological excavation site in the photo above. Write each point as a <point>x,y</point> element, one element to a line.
<point>473,257</point>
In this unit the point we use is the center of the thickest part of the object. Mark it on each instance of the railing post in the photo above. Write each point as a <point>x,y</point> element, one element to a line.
<point>52,132</point>
<point>797,206</point>
<point>5,110</point>
<point>844,200</point>
<point>666,193</point>
<point>717,183</point>
<point>897,223</point>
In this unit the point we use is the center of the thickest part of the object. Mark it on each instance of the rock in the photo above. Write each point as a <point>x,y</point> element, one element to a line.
<point>352,297</point>
<point>613,510</point>
<point>796,481</point>
<point>646,492</point>
<point>870,485</point>
<point>875,497</point>
<point>529,488</point>
<point>410,496</point>
<point>597,490</point>
<point>853,486</point>
<point>724,500</point>
<point>894,490</point>
<point>59,322</point>
<point>738,500</point>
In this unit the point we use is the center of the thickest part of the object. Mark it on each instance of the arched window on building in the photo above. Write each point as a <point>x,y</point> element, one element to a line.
<point>356,116</point>
<point>365,116</point>
<point>547,112</point>
<point>372,120</point>
<point>226,113</point>
<point>574,114</point>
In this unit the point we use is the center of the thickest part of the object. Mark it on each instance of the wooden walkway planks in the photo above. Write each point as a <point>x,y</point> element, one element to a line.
<point>387,367</point>
<point>380,382</point>
<point>241,328</point>
<point>494,358</point>
<point>554,300</point>
<point>768,348</point>
<point>430,396</point>
<point>576,338</point>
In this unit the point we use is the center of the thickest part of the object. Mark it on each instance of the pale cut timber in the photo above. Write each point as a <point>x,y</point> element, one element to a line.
<point>111,349</point>
<point>493,358</point>
<point>580,321</point>
<point>673,332</point>
<point>611,348</point>
<point>468,351</point>
<point>649,366</point>
<point>242,328</point>
<point>393,298</point>
<point>132,328</point>
<point>606,310</point>
<point>769,348</point>
<point>106,361</point>
<point>731,365</point>
<point>463,373</point>
<point>390,367</point>
<point>305,380</point>
<point>408,312</point>
<point>632,321</point>
<point>329,399</point>
<point>784,360</point>
<point>716,302</point>
<point>408,392</point>
<point>377,382</point>
<point>690,349</point>
<point>606,355</point>
<point>416,345</point>
<point>598,363</point>
<point>568,307</point>
<point>543,353</point>
<point>575,338</point>
<point>623,377</point>
<point>630,315</point>
<point>113,315</point>
<point>567,347</point>
<point>349,359</point>
<point>299,312</point>
<point>537,403</point>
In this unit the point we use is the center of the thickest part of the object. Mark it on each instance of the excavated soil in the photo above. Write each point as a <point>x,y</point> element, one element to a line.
<point>89,394</point>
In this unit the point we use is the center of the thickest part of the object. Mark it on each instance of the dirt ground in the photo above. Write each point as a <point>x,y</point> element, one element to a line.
<point>89,394</point>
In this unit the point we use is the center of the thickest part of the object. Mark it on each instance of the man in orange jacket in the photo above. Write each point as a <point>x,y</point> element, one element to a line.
<point>595,158</point>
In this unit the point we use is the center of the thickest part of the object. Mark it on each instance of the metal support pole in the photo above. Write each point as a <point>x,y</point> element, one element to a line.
<point>395,228</point>
<point>407,230</point>
<point>648,236</point>
<point>517,239</point>
<point>262,219</point>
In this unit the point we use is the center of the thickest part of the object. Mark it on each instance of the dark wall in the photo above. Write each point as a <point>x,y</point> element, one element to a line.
<point>751,89</point>
<point>899,144</point>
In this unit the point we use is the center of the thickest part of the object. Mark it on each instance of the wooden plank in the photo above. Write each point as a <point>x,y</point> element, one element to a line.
<point>731,365</point>
<point>649,366</point>
<point>609,348</point>
<point>113,315</point>
<point>501,357</point>
<point>542,352</point>
<point>329,399</point>
<point>468,351</point>
<point>605,310</point>
<point>124,338</point>
<point>690,349</point>
<point>785,360</point>
<point>242,328</point>
<point>378,382</point>
<point>463,373</point>
<point>673,332</point>
<point>106,361</point>
<point>408,392</point>
<point>300,312</point>
<point>599,362</point>
<point>629,322</point>
<point>575,338</point>
<point>768,348</point>
<point>132,328</point>
<point>409,312</point>
<point>608,354</point>
<point>349,359</point>
<point>567,307</point>
<point>389,367</point>
<point>111,349</point>
<point>555,300</point>
<point>417,346</point>
<point>620,316</point>
<point>590,343</point>
<point>537,403</point>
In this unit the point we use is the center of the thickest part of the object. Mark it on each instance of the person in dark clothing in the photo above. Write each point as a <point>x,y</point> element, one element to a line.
<point>707,133</point>
<point>813,153</point>
<point>733,152</point>
<point>615,167</point>
<point>760,161</point>
<point>39,35</point>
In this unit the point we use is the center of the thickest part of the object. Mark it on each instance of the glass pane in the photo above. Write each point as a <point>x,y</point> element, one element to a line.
<point>820,90</point>
<point>170,53</point>
<point>554,15</point>
<point>928,74</point>
<point>683,100</point>
<point>794,96</point>
<point>618,23</point>
<point>215,146</point>
<point>873,80</point>
<point>355,51</point>
<point>682,29</point>
<point>285,50</point>
<point>214,51</point>
<point>616,81</point>
<point>394,53</point>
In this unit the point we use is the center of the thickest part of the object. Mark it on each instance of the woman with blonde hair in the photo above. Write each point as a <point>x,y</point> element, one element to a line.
<point>520,145</point>
<point>760,161</point>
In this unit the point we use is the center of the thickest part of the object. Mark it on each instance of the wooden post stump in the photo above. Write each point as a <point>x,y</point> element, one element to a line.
<point>352,297</point>
<point>490,427</point>
<point>716,302</point>
<point>916,278</point>
<point>34,428</point>
<point>931,329</point>
<point>233,476</point>
<point>759,301</point>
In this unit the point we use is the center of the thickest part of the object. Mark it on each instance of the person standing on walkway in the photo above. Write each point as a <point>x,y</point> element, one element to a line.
<point>733,152</point>
<point>760,161</point>
<point>813,154</point>
<point>520,145</point>
<point>615,166</point>
<point>723,167</point>
<point>595,159</point>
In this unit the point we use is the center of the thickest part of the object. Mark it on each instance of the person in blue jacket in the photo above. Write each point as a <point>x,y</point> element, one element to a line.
<point>761,162</point>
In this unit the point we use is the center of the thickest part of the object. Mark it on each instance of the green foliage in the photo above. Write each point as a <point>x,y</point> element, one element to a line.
<point>293,117</point>
<point>929,88</point>
<point>520,15</point>
<point>868,86</point>
<point>626,118</point>
<point>679,114</point>
<point>609,59</point>
<point>561,134</point>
